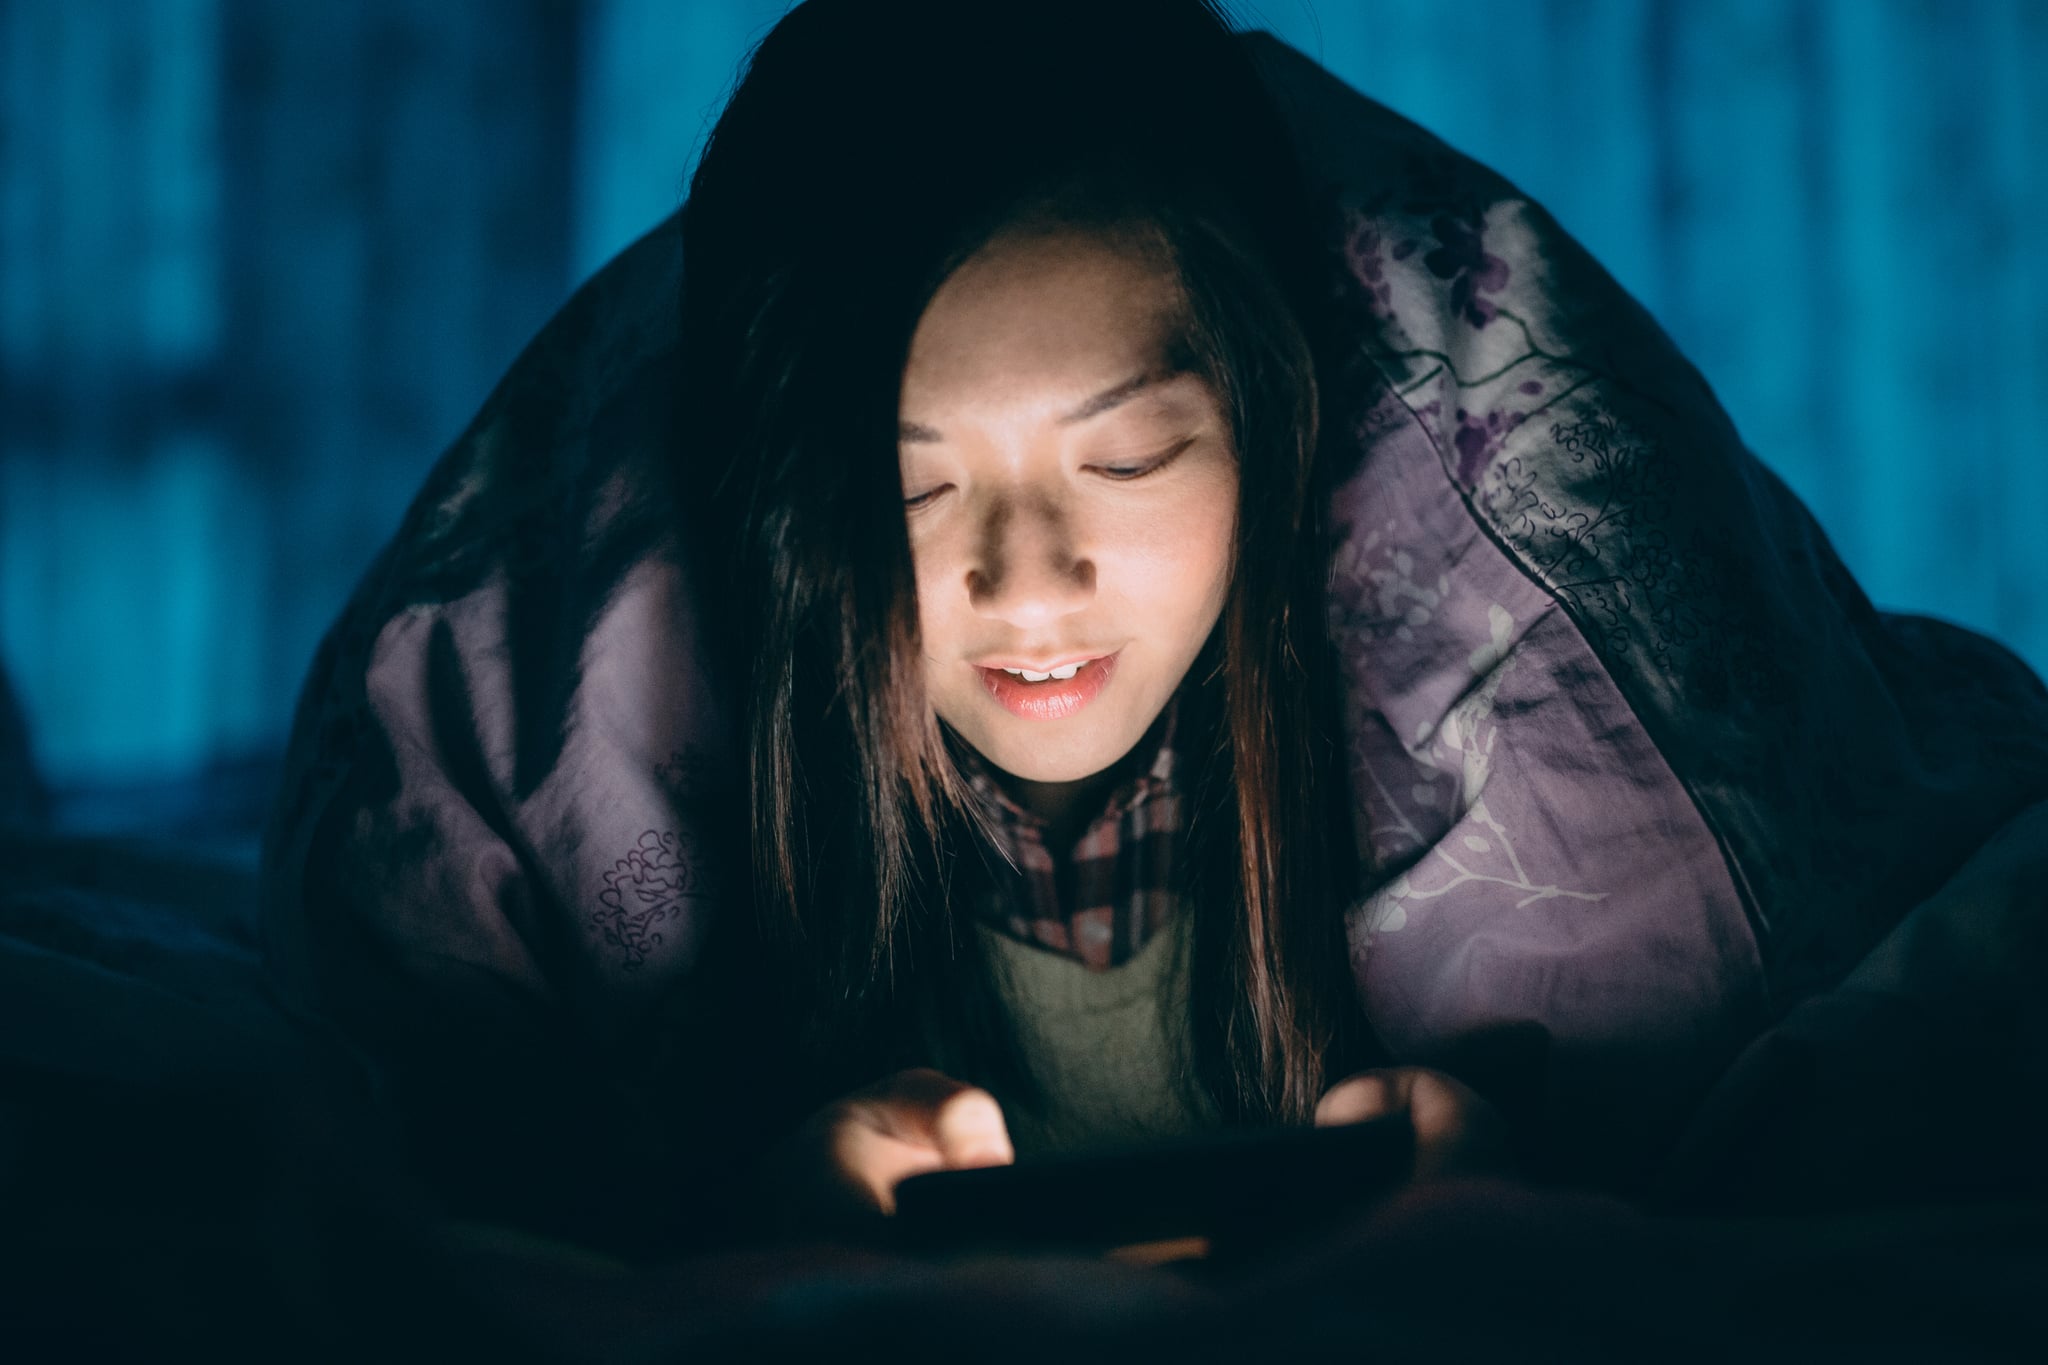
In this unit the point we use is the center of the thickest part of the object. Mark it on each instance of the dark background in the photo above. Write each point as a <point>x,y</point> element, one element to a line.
<point>260,261</point>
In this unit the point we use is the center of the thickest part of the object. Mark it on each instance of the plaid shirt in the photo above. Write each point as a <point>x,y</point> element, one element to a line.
<point>1117,886</point>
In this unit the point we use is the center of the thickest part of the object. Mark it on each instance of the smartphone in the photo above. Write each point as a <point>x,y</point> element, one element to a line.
<point>1230,1189</point>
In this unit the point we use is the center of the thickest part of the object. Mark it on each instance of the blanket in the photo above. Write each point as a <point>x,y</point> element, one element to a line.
<point>1638,767</point>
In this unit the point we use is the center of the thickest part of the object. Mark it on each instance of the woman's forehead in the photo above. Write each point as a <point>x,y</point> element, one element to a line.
<point>1069,326</point>
<point>1162,385</point>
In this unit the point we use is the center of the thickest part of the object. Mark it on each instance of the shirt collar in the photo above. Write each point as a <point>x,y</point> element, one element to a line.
<point>1153,778</point>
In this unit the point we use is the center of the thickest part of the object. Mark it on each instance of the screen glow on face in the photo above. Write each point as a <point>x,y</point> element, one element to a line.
<point>1070,495</point>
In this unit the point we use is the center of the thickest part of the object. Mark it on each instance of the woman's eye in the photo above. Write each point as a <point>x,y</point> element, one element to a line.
<point>924,499</point>
<point>1124,473</point>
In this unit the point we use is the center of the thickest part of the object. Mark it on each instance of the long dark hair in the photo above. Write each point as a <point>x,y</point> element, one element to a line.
<point>869,148</point>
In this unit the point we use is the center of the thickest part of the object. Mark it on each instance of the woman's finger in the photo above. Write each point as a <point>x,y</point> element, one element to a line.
<point>970,1130</point>
<point>1441,1108</point>
<point>927,1107</point>
<point>917,1121</point>
<point>1367,1095</point>
<point>874,1162</point>
<point>838,1172</point>
<point>1456,1132</point>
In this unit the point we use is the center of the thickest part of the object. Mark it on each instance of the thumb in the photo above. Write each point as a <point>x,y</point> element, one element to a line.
<point>961,1122</point>
<point>1367,1095</point>
<point>968,1130</point>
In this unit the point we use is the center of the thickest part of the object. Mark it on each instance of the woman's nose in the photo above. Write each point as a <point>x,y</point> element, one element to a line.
<point>1029,569</point>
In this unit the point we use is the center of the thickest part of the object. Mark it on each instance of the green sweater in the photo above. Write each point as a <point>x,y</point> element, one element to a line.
<point>1107,1048</point>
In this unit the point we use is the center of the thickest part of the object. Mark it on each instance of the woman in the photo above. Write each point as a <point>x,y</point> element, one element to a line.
<point>1453,697</point>
<point>1063,416</point>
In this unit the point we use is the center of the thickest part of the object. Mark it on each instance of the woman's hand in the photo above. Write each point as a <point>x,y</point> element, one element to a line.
<point>1456,1132</point>
<point>840,1169</point>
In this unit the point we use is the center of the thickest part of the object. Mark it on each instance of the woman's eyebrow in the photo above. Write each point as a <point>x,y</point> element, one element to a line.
<point>1114,396</point>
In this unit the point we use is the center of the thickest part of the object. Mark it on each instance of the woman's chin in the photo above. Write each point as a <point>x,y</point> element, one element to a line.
<point>1074,748</point>
<point>1057,760</point>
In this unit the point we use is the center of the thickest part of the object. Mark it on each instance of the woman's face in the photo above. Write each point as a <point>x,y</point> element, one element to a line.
<point>1069,499</point>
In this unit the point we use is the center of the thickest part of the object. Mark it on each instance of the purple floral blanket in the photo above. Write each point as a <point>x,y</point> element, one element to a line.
<point>1641,768</point>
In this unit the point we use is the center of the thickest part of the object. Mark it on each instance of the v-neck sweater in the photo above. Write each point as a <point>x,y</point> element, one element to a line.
<point>1107,1047</point>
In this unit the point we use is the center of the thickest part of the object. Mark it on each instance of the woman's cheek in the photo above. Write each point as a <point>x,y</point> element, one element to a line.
<point>928,578</point>
<point>1196,545</point>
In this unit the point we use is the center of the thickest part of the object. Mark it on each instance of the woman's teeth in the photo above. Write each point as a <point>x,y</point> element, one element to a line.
<point>1028,676</point>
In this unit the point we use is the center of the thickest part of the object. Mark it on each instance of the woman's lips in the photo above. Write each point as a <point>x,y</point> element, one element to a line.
<point>1055,698</point>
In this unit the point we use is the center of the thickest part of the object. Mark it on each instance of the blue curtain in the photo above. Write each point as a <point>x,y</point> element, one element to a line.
<point>259,262</point>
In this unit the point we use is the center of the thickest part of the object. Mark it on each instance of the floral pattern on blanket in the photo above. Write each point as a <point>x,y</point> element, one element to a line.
<point>1711,774</point>
<point>1414,820</point>
<point>1597,459</point>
